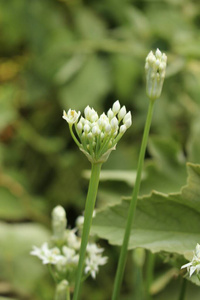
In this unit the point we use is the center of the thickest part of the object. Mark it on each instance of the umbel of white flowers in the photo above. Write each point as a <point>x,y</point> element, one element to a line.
<point>97,136</point>
<point>155,68</point>
<point>194,265</point>
<point>63,252</point>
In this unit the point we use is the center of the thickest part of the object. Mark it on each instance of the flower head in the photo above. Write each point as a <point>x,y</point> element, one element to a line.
<point>194,265</point>
<point>96,135</point>
<point>155,73</point>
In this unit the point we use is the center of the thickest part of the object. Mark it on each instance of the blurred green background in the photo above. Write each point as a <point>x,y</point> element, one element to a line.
<point>61,54</point>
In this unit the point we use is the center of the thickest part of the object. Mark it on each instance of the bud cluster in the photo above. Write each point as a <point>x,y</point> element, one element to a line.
<point>63,252</point>
<point>155,68</point>
<point>98,135</point>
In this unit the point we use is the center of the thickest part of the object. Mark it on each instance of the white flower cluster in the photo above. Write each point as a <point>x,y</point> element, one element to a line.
<point>98,135</point>
<point>155,68</point>
<point>64,255</point>
<point>194,265</point>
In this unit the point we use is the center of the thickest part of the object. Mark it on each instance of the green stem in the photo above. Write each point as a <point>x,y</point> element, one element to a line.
<point>68,294</point>
<point>183,289</point>
<point>72,134</point>
<point>132,208</point>
<point>89,207</point>
<point>149,272</point>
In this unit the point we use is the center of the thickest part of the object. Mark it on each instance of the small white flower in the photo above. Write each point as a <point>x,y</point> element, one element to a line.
<point>71,116</point>
<point>70,255</point>
<point>80,221</point>
<point>40,252</point>
<point>92,264</point>
<point>93,249</point>
<point>194,265</point>
<point>48,256</point>
<point>72,240</point>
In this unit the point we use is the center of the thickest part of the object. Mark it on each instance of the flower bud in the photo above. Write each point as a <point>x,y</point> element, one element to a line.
<point>61,290</point>
<point>122,113</point>
<point>127,117</point>
<point>116,107</point>
<point>122,129</point>
<point>59,222</point>
<point>110,114</point>
<point>86,128</point>
<point>114,123</point>
<point>155,68</point>
<point>128,123</point>
<point>79,127</point>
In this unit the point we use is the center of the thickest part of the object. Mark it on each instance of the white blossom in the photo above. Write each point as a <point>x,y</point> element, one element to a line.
<point>70,255</point>
<point>72,240</point>
<point>48,256</point>
<point>194,265</point>
<point>93,249</point>
<point>92,264</point>
<point>71,116</point>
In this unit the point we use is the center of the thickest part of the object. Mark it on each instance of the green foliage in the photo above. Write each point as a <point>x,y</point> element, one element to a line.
<point>162,223</point>
<point>59,54</point>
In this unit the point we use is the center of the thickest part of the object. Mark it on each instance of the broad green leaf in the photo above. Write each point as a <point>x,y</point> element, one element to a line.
<point>166,171</point>
<point>162,222</point>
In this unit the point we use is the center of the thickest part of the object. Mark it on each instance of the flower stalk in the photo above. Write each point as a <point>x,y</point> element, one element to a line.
<point>89,208</point>
<point>155,72</point>
<point>132,208</point>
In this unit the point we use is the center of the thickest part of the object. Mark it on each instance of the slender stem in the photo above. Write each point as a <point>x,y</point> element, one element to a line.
<point>183,289</point>
<point>132,208</point>
<point>72,134</point>
<point>149,272</point>
<point>89,207</point>
<point>68,294</point>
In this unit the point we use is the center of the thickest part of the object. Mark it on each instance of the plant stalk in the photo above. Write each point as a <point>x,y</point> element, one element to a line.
<point>149,273</point>
<point>183,289</point>
<point>132,208</point>
<point>89,208</point>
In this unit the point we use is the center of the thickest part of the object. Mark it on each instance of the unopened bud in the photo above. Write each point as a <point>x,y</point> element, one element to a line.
<point>122,113</point>
<point>59,222</point>
<point>116,107</point>
<point>155,68</point>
